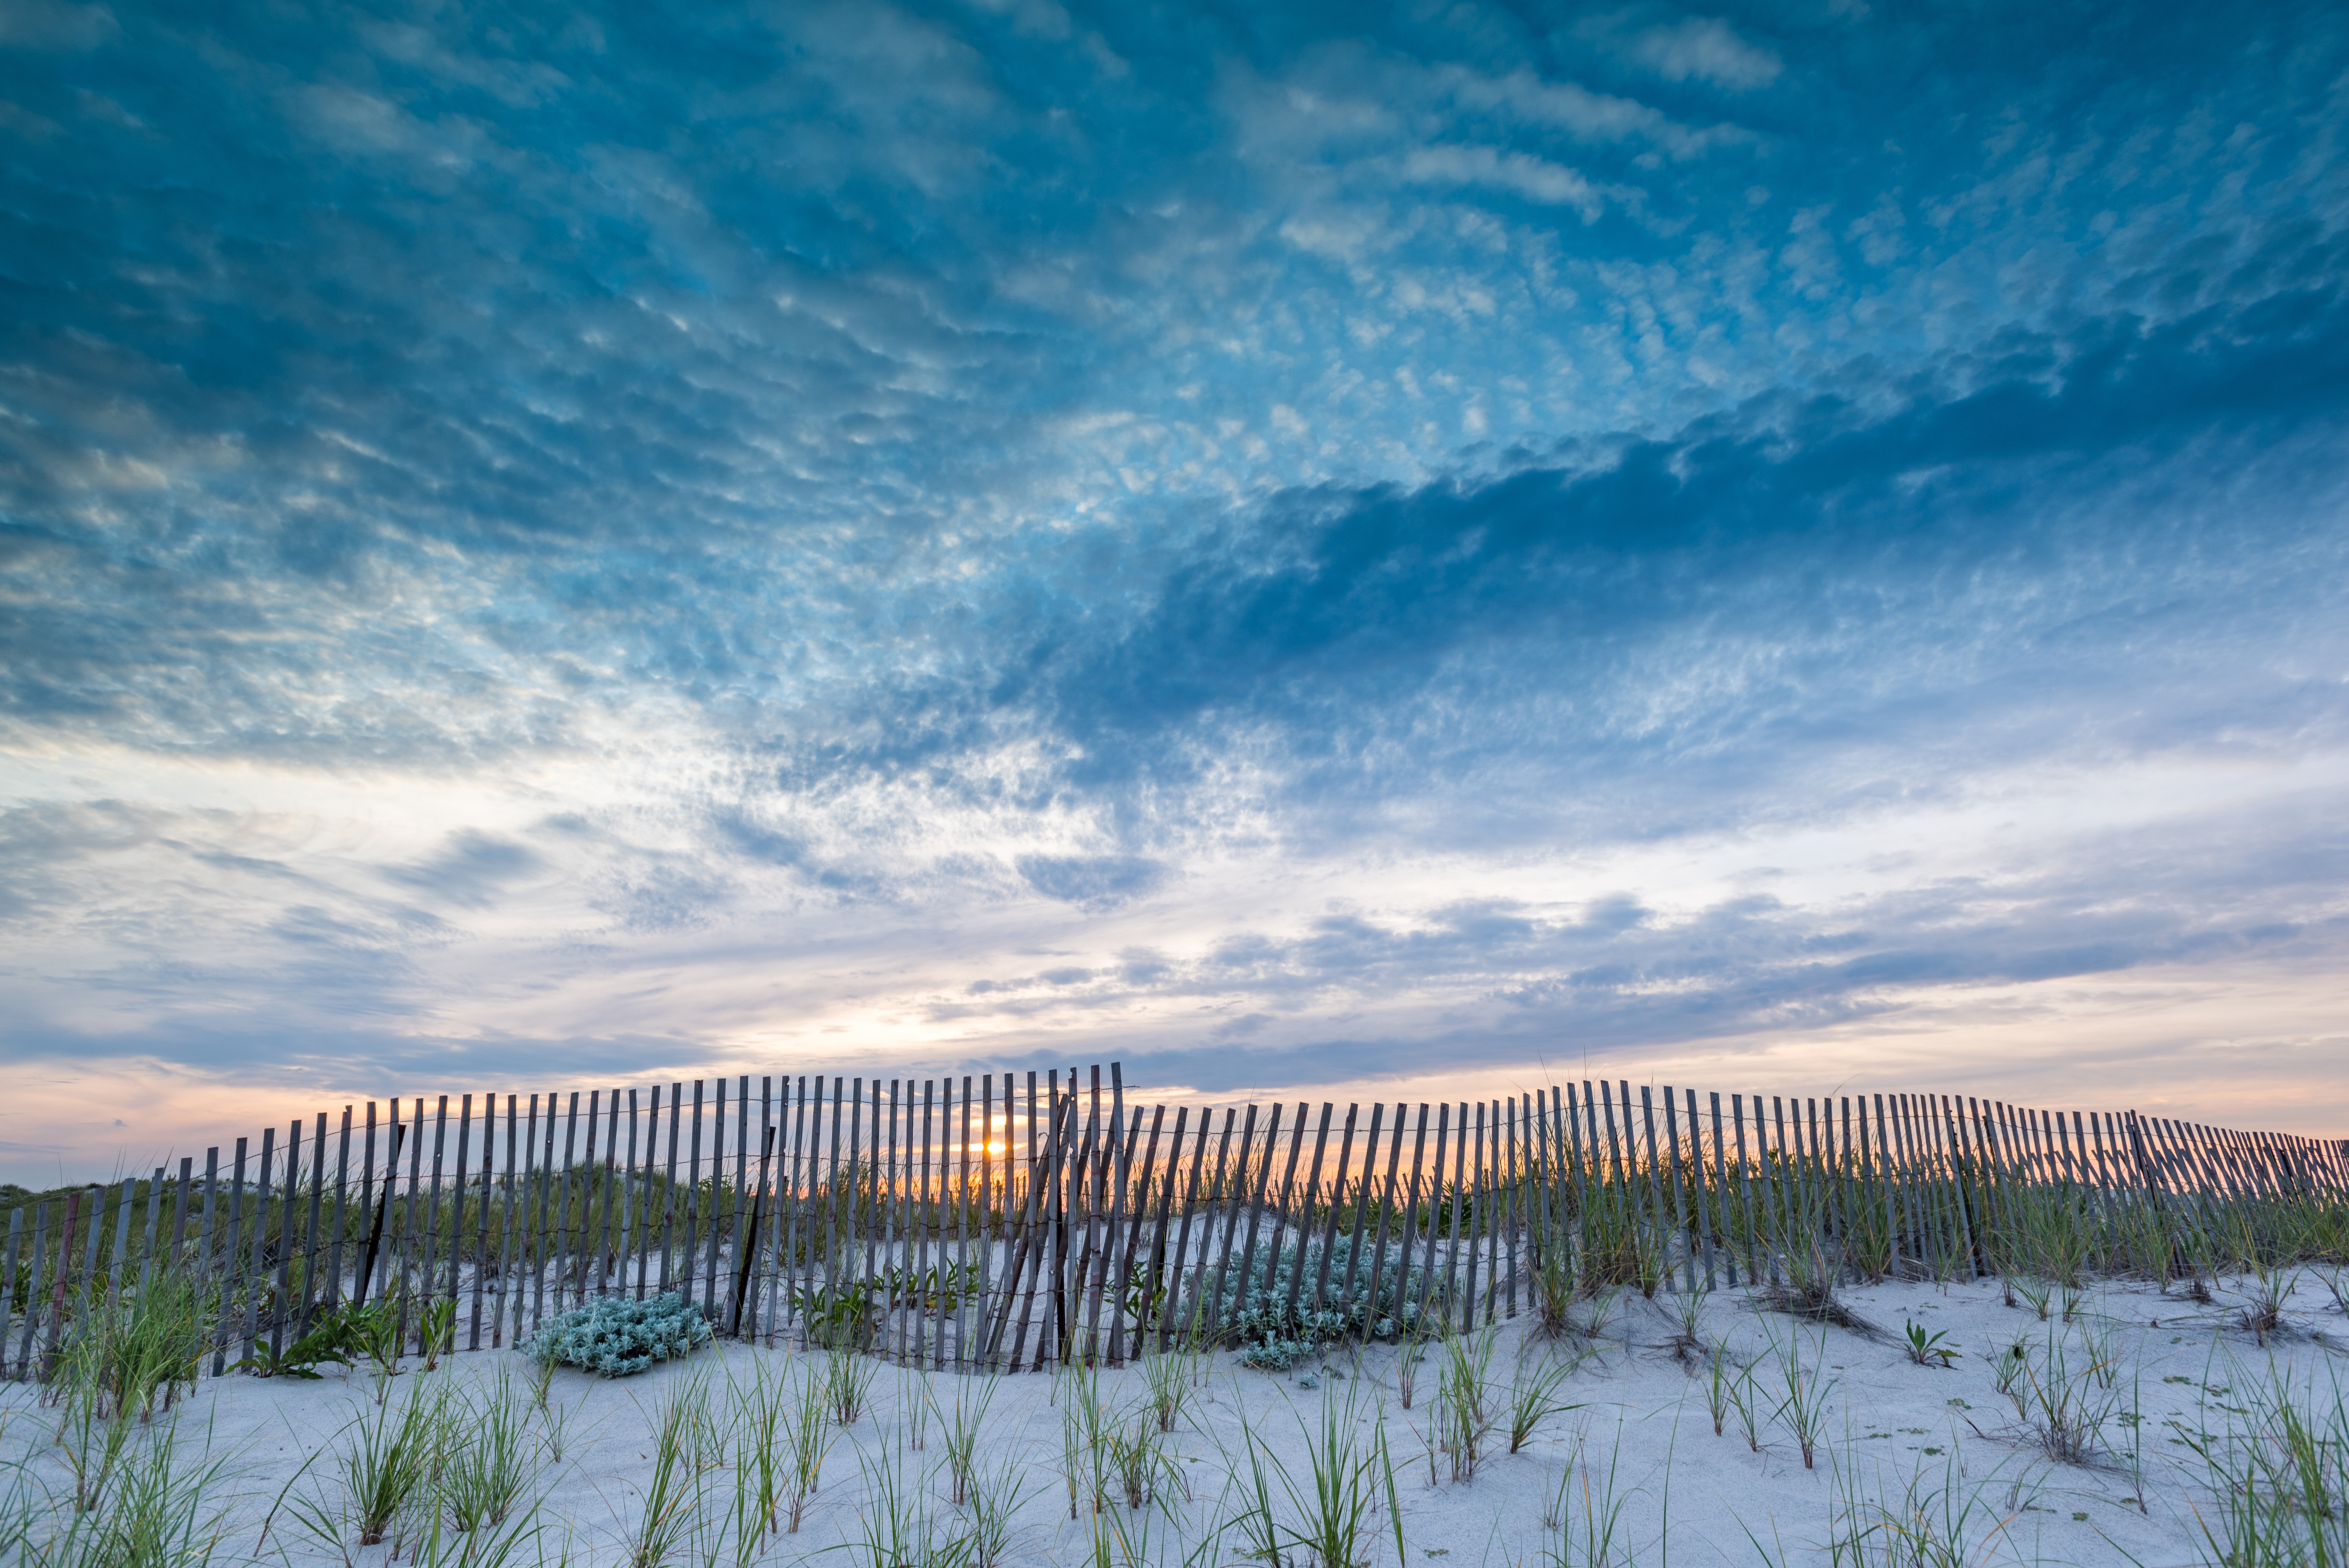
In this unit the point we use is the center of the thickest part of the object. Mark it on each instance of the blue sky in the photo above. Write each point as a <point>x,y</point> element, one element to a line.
<point>1297,547</point>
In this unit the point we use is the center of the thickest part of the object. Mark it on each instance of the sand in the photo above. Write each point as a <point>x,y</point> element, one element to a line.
<point>1640,1437</point>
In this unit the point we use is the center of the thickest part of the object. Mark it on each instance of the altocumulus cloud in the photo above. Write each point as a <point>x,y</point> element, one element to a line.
<point>1291,546</point>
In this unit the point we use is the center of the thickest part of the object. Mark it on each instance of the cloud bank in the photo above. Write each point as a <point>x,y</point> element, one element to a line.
<point>1296,550</point>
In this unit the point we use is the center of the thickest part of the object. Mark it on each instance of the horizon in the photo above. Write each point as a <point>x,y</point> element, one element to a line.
<point>1315,553</point>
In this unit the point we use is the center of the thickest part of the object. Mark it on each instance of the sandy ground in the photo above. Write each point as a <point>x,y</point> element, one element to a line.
<point>1641,1437</point>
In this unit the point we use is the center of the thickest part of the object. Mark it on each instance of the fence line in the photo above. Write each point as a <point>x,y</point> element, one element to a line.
<point>1070,1224</point>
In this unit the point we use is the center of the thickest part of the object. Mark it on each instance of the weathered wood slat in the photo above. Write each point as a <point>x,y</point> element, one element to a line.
<point>1157,1293</point>
<point>538,1155</point>
<point>428,1268</point>
<point>1221,1198</point>
<point>1255,1206</point>
<point>1296,1230</point>
<point>963,1232</point>
<point>1362,1186</point>
<point>990,1218</point>
<point>1386,1211</point>
<point>1001,1354</point>
<point>1681,1204</point>
<point>1129,1277</point>
<point>1453,1229</point>
<point>8,1368</point>
<point>1698,1185</point>
<point>232,1270</point>
<point>33,1273</point>
<point>1722,1185</point>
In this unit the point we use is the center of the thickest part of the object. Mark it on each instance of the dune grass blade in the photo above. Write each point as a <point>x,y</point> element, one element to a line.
<point>898,1528</point>
<point>2278,1477</point>
<point>1171,1375</point>
<point>439,1544</point>
<point>1588,1509</point>
<point>1411,1354</point>
<point>1810,1291</point>
<point>964,1428</point>
<point>164,1513</point>
<point>1936,1521</point>
<point>996,1495</point>
<point>1533,1398</point>
<point>387,1470</point>
<point>848,1383</point>
<point>807,1437</point>
<point>1138,1460</point>
<point>141,1346</point>
<point>673,1493</point>
<point>755,1411</point>
<point>1803,1408</point>
<point>1462,1401</point>
<point>2064,1393</point>
<point>488,1471</point>
<point>1335,1517</point>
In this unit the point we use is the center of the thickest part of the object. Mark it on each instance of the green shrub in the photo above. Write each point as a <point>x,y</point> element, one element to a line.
<point>618,1338</point>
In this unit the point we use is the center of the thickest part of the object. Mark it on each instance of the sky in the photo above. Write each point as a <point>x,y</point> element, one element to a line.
<point>1385,552</point>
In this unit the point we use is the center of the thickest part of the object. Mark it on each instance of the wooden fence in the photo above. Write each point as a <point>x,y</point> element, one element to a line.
<point>990,1223</point>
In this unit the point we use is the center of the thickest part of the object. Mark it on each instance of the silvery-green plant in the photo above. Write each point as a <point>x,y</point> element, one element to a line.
<point>616,1336</point>
<point>1253,1309</point>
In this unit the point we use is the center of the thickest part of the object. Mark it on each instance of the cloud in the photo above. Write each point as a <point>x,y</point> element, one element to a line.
<point>1532,178</point>
<point>1026,529</point>
<point>54,24</point>
<point>1100,881</point>
<point>1705,48</point>
<point>472,870</point>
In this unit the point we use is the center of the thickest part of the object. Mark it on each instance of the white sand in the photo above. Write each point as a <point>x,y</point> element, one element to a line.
<point>1889,1423</point>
